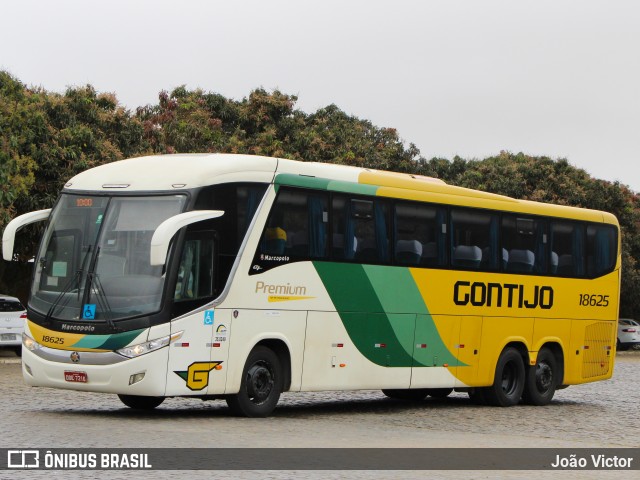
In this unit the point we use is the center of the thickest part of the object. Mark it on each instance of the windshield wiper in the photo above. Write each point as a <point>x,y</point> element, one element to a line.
<point>75,280</point>
<point>94,284</point>
<point>63,294</point>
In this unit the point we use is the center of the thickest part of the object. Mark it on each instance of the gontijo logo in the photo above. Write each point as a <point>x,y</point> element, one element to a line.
<point>510,295</point>
<point>197,375</point>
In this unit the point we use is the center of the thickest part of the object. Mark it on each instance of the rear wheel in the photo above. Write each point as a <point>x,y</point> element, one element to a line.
<point>139,402</point>
<point>412,395</point>
<point>509,380</point>
<point>261,385</point>
<point>542,379</point>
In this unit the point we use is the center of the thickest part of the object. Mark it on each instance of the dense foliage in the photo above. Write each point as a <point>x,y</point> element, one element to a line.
<point>46,138</point>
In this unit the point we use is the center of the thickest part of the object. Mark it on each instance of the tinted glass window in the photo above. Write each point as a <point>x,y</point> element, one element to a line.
<point>419,237</point>
<point>10,306</point>
<point>523,245</point>
<point>474,240</point>
<point>360,229</point>
<point>196,270</point>
<point>567,249</point>
<point>602,243</point>
<point>297,226</point>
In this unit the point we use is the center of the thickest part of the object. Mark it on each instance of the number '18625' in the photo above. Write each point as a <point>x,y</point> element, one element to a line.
<point>588,300</point>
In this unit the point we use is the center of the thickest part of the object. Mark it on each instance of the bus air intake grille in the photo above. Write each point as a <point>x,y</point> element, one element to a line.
<point>597,354</point>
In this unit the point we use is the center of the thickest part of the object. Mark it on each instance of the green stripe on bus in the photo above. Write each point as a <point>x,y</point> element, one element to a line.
<point>108,342</point>
<point>381,309</point>
<point>316,183</point>
<point>397,291</point>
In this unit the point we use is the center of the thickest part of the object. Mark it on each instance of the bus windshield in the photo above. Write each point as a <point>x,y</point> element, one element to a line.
<point>94,261</point>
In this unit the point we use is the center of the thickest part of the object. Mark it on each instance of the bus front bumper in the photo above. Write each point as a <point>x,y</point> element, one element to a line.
<point>106,372</point>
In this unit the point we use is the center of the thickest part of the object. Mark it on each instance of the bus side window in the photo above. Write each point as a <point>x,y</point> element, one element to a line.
<point>567,241</point>
<point>524,244</point>
<point>344,241</point>
<point>360,229</point>
<point>419,237</point>
<point>601,249</point>
<point>297,225</point>
<point>474,240</point>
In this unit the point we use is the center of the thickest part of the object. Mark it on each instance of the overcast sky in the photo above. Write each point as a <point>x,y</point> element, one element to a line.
<point>455,77</point>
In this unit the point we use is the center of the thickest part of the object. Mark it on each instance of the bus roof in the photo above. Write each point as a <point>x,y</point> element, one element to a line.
<point>188,171</point>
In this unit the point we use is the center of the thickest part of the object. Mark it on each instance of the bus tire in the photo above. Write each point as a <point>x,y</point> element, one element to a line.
<point>261,385</point>
<point>439,392</point>
<point>138,402</point>
<point>412,395</point>
<point>509,380</point>
<point>541,379</point>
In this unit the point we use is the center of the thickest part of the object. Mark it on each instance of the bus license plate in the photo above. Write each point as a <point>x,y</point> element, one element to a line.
<point>7,337</point>
<point>78,377</point>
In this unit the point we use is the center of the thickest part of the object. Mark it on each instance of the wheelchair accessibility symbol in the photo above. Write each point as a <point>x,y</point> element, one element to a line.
<point>208,317</point>
<point>89,311</point>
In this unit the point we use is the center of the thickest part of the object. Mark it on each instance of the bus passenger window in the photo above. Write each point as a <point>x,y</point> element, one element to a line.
<point>474,240</point>
<point>567,241</point>
<point>601,249</point>
<point>361,229</point>
<point>297,226</point>
<point>524,245</point>
<point>419,235</point>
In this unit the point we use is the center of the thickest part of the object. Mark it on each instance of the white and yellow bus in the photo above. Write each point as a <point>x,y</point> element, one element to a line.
<point>241,277</point>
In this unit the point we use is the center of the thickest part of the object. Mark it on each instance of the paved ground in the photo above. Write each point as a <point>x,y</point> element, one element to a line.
<point>602,414</point>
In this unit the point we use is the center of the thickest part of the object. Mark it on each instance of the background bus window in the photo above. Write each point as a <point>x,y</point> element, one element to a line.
<point>474,240</point>
<point>419,237</point>
<point>567,243</point>
<point>523,245</point>
<point>601,249</point>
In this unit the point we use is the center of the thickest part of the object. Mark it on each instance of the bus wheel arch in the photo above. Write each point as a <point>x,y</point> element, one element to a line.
<point>545,376</point>
<point>280,348</point>
<point>509,378</point>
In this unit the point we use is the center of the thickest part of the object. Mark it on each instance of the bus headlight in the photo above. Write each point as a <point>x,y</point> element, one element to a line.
<point>29,343</point>
<point>150,346</point>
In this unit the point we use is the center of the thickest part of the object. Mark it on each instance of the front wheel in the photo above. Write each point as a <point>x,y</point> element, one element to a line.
<point>509,380</point>
<point>261,385</point>
<point>139,402</point>
<point>542,378</point>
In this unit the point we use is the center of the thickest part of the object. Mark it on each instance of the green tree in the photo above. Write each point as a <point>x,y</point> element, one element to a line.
<point>46,138</point>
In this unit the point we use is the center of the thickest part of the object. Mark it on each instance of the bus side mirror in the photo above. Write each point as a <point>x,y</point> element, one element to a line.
<point>9,235</point>
<point>167,229</point>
